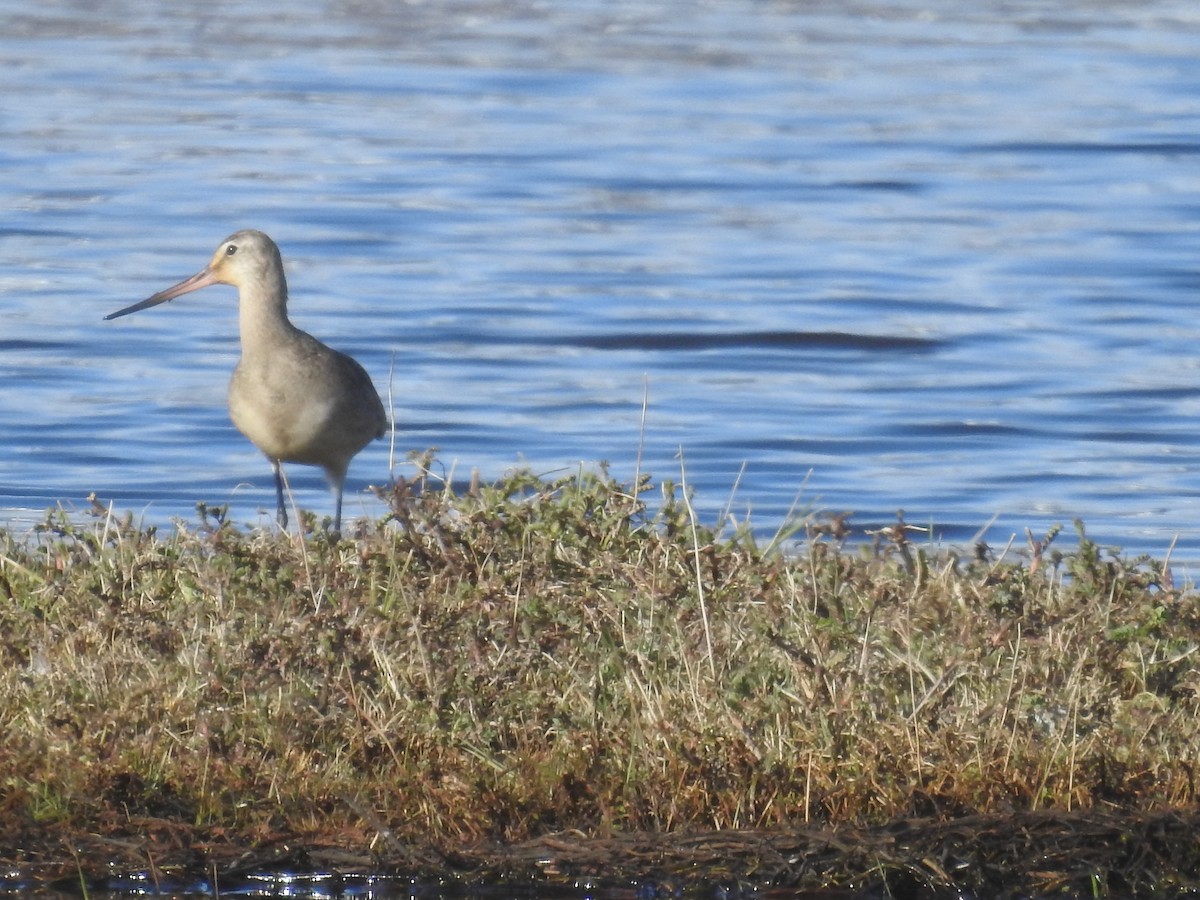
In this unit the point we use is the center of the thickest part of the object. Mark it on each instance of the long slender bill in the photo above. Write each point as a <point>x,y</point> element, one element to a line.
<point>203,278</point>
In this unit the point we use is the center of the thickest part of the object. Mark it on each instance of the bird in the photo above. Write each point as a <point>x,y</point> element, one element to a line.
<point>297,400</point>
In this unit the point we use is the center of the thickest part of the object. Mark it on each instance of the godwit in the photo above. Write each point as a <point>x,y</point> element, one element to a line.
<point>297,400</point>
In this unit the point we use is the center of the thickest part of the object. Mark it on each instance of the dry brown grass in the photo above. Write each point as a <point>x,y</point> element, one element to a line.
<point>538,656</point>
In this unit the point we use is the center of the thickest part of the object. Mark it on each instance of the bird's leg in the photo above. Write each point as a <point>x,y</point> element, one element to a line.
<point>337,481</point>
<point>280,509</point>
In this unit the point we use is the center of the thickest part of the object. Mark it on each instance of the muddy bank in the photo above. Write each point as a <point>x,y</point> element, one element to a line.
<point>1048,853</point>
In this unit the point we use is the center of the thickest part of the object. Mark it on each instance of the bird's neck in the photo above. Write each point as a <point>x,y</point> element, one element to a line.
<point>262,316</point>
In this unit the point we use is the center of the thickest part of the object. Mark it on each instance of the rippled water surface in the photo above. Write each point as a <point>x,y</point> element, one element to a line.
<point>857,256</point>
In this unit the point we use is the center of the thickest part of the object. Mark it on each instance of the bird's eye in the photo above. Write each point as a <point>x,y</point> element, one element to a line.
<point>231,249</point>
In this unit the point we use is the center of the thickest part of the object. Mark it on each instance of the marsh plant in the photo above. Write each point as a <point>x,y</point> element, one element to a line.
<point>508,660</point>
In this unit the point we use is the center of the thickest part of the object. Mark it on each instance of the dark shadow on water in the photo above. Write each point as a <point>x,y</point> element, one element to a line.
<point>705,340</point>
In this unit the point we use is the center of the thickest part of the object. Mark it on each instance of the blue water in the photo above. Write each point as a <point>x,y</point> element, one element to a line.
<point>861,256</point>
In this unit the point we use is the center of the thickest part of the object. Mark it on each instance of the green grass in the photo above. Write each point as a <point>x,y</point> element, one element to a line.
<point>537,656</point>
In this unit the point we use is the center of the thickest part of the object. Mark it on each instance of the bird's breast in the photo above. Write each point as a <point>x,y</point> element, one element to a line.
<point>305,409</point>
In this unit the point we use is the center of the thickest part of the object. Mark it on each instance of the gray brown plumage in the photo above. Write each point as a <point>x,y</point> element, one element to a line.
<point>297,400</point>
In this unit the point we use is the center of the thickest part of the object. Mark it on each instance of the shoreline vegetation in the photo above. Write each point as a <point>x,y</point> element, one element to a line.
<point>542,679</point>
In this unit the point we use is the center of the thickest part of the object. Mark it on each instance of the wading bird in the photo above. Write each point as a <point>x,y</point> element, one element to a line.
<point>297,400</point>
